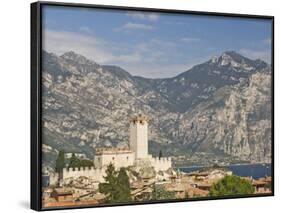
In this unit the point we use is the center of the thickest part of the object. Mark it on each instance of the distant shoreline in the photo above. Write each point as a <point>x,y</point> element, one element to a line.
<point>256,171</point>
<point>238,164</point>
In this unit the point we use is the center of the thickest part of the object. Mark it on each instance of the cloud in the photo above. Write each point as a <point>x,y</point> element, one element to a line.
<point>86,29</point>
<point>144,16</point>
<point>94,48</point>
<point>189,39</point>
<point>151,58</point>
<point>264,55</point>
<point>59,42</point>
<point>134,26</point>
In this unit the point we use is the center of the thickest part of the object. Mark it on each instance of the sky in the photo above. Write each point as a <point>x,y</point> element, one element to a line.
<point>153,45</point>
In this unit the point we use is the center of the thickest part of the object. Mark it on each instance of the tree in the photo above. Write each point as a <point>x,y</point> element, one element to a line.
<point>231,185</point>
<point>124,192</point>
<point>85,162</point>
<point>60,162</point>
<point>109,187</point>
<point>159,193</point>
<point>160,154</point>
<point>116,186</point>
<point>74,161</point>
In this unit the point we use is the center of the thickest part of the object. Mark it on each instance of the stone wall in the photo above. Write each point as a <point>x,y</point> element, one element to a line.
<point>162,164</point>
<point>117,159</point>
<point>53,179</point>
<point>90,172</point>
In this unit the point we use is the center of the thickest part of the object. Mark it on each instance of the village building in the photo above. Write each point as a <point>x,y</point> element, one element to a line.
<point>262,185</point>
<point>62,195</point>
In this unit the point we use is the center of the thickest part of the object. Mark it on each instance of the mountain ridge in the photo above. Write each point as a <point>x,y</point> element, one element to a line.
<point>87,105</point>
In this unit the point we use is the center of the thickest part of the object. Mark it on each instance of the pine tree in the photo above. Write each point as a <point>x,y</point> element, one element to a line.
<point>109,188</point>
<point>231,185</point>
<point>85,162</point>
<point>74,161</point>
<point>116,186</point>
<point>124,192</point>
<point>159,193</point>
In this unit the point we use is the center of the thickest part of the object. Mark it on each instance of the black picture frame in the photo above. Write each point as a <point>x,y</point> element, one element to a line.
<point>36,100</point>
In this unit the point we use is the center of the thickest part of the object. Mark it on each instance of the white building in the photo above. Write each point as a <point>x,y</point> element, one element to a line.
<point>118,157</point>
<point>134,156</point>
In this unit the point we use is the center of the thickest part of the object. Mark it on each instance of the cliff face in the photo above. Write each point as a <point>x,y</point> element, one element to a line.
<point>217,111</point>
<point>236,121</point>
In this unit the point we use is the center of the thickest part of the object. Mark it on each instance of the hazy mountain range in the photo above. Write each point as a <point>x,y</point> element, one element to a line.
<point>215,112</point>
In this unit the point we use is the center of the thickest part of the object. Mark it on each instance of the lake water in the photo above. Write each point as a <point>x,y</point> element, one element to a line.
<point>254,170</point>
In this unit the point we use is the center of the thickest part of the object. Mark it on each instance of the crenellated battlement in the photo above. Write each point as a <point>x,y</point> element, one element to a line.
<point>140,118</point>
<point>122,157</point>
<point>91,172</point>
<point>164,163</point>
<point>162,160</point>
<point>71,169</point>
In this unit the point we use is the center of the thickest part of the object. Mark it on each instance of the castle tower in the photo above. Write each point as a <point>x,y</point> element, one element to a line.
<point>138,136</point>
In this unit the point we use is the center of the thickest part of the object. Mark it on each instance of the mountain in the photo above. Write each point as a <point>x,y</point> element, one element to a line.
<point>197,84</point>
<point>216,112</point>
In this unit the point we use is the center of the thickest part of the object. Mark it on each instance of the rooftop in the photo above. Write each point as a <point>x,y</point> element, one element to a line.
<point>62,192</point>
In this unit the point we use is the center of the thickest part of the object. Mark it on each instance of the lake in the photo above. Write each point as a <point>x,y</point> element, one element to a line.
<point>254,170</point>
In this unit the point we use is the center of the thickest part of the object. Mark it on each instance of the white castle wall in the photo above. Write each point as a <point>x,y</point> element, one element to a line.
<point>138,154</point>
<point>139,138</point>
<point>90,172</point>
<point>97,174</point>
<point>117,159</point>
<point>53,179</point>
<point>161,164</point>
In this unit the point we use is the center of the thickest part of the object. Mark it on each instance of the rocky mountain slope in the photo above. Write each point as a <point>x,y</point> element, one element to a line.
<point>216,112</point>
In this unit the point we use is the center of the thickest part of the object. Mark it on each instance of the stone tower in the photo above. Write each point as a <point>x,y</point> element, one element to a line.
<point>138,136</point>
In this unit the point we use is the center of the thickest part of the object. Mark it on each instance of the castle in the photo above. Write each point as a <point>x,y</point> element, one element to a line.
<point>136,155</point>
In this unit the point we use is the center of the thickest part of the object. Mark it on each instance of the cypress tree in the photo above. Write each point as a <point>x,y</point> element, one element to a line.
<point>160,154</point>
<point>60,162</point>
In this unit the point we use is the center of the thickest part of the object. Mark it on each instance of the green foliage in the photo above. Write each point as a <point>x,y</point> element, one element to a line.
<point>124,192</point>
<point>73,161</point>
<point>116,186</point>
<point>231,185</point>
<point>76,162</point>
<point>60,162</point>
<point>159,193</point>
<point>85,162</point>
